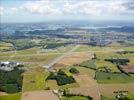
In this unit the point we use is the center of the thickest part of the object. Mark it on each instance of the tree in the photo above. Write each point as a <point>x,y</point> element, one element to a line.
<point>94,56</point>
<point>73,71</point>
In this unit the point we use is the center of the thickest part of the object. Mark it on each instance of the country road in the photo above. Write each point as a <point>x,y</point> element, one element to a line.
<point>61,57</point>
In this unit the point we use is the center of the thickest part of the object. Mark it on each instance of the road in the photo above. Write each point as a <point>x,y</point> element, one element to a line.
<point>61,57</point>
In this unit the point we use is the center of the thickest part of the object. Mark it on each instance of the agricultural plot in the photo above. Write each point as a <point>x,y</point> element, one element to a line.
<point>110,77</point>
<point>107,52</point>
<point>110,90</point>
<point>28,51</point>
<point>61,80</point>
<point>101,56</point>
<point>34,79</point>
<point>101,63</point>
<point>39,95</point>
<point>5,46</point>
<point>128,68</point>
<point>86,48</point>
<point>75,58</point>
<point>86,71</point>
<point>61,49</point>
<point>88,87</point>
<point>28,59</point>
<point>16,96</point>
<point>106,98</point>
<point>128,48</point>
<point>88,64</point>
<point>52,84</point>
<point>75,98</point>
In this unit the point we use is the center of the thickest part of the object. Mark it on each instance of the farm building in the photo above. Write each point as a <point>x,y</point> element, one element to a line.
<point>8,66</point>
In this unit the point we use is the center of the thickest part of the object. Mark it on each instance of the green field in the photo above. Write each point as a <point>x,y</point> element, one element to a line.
<point>5,46</point>
<point>74,98</point>
<point>108,52</point>
<point>16,96</point>
<point>52,84</point>
<point>34,79</point>
<point>87,71</point>
<point>40,59</point>
<point>61,49</point>
<point>106,98</point>
<point>88,64</point>
<point>103,77</point>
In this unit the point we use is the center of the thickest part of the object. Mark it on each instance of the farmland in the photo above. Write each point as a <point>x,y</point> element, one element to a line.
<point>74,98</point>
<point>34,80</point>
<point>95,75</point>
<point>16,96</point>
<point>103,77</point>
<point>5,46</point>
<point>66,49</point>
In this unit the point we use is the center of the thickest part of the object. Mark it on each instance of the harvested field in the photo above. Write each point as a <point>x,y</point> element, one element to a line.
<point>108,89</point>
<point>39,95</point>
<point>128,68</point>
<point>88,87</point>
<point>75,58</point>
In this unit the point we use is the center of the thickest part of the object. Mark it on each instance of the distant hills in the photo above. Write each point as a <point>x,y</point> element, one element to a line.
<point>129,29</point>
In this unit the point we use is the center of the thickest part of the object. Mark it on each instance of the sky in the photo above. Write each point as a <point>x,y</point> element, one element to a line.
<point>51,10</point>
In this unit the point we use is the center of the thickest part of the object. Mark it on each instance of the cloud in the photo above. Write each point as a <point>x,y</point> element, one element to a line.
<point>40,7</point>
<point>129,5</point>
<point>94,7</point>
<point>88,8</point>
<point>1,11</point>
<point>7,11</point>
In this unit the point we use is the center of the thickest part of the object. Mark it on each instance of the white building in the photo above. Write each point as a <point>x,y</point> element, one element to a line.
<point>8,66</point>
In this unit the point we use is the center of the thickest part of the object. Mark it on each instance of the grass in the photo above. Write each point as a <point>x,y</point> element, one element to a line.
<point>34,79</point>
<point>28,51</point>
<point>16,96</point>
<point>128,48</point>
<point>132,75</point>
<point>100,62</point>
<point>74,98</point>
<point>88,48</point>
<point>106,98</point>
<point>88,64</point>
<point>97,48</point>
<point>5,46</point>
<point>107,52</point>
<point>86,71</point>
<point>61,49</point>
<point>103,77</point>
<point>52,84</point>
<point>40,59</point>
